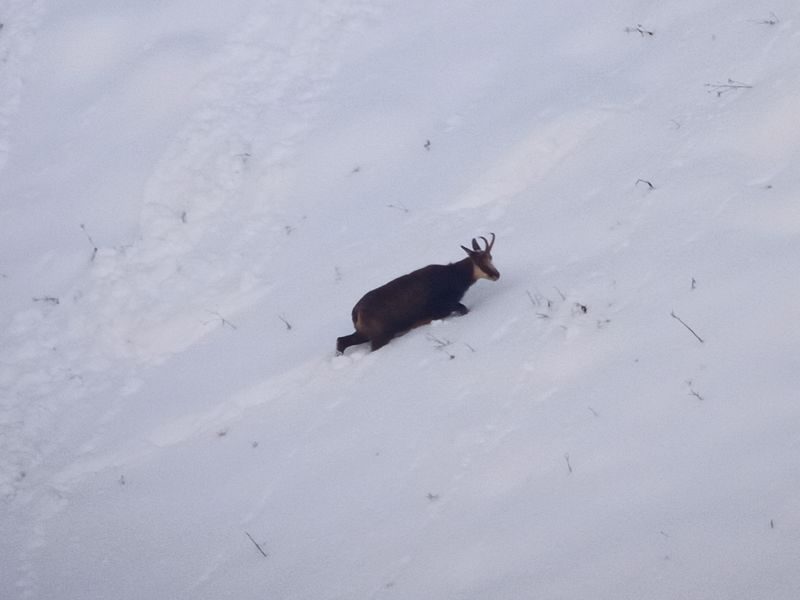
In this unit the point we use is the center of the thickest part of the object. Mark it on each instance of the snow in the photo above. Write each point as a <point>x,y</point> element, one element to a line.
<point>194,195</point>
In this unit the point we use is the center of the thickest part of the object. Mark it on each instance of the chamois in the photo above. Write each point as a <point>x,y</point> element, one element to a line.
<point>415,299</point>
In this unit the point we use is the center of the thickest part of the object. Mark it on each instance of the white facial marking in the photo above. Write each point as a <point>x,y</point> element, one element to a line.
<point>479,273</point>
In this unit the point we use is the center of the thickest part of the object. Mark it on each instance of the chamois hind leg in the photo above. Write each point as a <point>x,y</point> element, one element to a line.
<point>380,341</point>
<point>346,341</point>
<point>369,328</point>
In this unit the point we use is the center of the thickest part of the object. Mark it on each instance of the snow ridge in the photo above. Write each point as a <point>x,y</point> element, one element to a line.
<point>140,304</point>
<point>19,21</point>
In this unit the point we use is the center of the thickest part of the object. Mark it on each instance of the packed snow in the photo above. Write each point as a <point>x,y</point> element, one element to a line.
<point>193,196</point>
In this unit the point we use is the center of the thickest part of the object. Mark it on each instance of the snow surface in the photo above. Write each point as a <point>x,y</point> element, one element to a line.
<point>194,194</point>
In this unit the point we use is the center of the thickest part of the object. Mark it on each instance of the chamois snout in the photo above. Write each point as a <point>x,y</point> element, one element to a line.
<point>427,294</point>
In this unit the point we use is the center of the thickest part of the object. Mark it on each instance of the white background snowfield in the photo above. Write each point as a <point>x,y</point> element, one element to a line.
<point>193,195</point>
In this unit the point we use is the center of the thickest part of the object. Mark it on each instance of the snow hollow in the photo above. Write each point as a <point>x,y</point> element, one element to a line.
<point>193,196</point>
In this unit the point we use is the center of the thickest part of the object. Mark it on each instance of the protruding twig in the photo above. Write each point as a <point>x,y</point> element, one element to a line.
<point>682,322</point>
<point>773,20</point>
<point>640,30</point>
<point>48,300</point>
<point>441,344</point>
<point>285,322</point>
<point>399,206</point>
<point>225,322</point>
<point>257,545</point>
<point>647,183</point>
<point>91,242</point>
<point>694,392</point>
<point>569,464</point>
<point>539,300</point>
<point>722,88</point>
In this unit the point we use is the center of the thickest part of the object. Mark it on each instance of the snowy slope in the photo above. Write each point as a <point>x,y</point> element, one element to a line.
<point>194,195</point>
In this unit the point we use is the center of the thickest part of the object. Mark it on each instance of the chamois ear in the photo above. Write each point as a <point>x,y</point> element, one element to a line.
<point>467,250</point>
<point>475,245</point>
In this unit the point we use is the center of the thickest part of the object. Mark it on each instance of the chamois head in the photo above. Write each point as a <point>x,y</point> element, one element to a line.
<point>482,267</point>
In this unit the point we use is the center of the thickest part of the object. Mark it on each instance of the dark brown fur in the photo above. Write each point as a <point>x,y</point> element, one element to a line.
<point>430,293</point>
